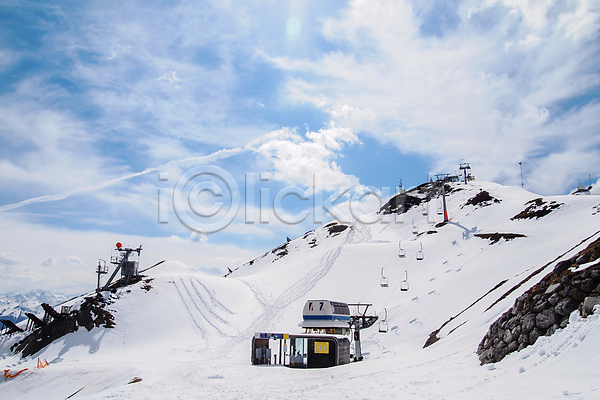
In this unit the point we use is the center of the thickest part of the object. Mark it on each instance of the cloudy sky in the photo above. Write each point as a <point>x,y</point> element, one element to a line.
<point>108,109</point>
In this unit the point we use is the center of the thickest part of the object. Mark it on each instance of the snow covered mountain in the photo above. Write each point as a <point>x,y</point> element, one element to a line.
<point>13,306</point>
<point>188,335</point>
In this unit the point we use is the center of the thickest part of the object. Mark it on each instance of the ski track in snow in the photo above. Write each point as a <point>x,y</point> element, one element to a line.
<point>199,309</point>
<point>272,310</point>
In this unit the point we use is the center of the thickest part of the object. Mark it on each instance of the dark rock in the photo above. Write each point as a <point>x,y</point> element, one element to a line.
<point>500,345</point>
<point>535,334</point>
<point>516,331</point>
<point>487,356</point>
<point>528,322</point>
<point>588,306</point>
<point>587,285</point>
<point>516,308</point>
<point>541,306</point>
<point>564,322</point>
<point>512,346</point>
<point>576,294</point>
<point>551,330</point>
<point>582,259</point>
<point>524,338</point>
<point>585,274</point>
<point>562,267</point>
<point>512,323</point>
<point>545,319</point>
<point>522,346</point>
<point>557,287</point>
<point>508,336</point>
<point>565,307</point>
<point>553,299</point>
<point>595,274</point>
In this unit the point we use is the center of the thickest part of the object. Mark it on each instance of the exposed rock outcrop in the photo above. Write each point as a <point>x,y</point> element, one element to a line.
<point>91,313</point>
<point>537,208</point>
<point>546,306</point>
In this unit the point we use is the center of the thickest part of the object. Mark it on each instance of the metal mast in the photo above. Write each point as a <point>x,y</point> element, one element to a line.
<point>122,263</point>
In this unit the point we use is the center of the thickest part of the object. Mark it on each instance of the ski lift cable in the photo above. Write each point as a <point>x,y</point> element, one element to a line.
<point>376,279</point>
<point>397,284</point>
<point>67,269</point>
<point>444,286</point>
<point>416,312</point>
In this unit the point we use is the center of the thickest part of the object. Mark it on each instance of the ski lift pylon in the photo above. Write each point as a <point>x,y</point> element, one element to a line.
<point>383,324</point>
<point>404,283</point>
<point>384,280</point>
<point>420,255</point>
<point>401,251</point>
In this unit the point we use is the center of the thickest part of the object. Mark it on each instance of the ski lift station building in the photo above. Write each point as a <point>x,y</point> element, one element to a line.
<point>325,342</point>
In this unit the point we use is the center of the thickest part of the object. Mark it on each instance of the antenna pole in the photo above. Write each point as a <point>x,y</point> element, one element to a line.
<point>521,166</point>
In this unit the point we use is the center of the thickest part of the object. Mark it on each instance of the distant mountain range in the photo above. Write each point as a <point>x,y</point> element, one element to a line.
<point>13,306</point>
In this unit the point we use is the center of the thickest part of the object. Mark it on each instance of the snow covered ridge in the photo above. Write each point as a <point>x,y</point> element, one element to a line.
<point>546,307</point>
<point>310,239</point>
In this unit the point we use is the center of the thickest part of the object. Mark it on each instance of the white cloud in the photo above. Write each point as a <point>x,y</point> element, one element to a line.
<point>9,259</point>
<point>48,262</point>
<point>295,160</point>
<point>29,267</point>
<point>471,94</point>
<point>72,261</point>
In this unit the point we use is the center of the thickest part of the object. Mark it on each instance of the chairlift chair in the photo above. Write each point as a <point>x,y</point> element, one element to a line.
<point>401,251</point>
<point>420,255</point>
<point>383,324</point>
<point>415,230</point>
<point>384,280</point>
<point>432,228</point>
<point>440,209</point>
<point>424,209</point>
<point>404,283</point>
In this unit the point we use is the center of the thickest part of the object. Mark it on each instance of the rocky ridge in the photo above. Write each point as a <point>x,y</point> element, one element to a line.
<point>573,284</point>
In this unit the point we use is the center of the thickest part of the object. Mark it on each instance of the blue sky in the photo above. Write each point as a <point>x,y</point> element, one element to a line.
<point>97,100</point>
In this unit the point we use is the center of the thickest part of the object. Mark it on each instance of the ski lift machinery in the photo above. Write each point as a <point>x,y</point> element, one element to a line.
<point>401,251</point>
<point>384,280</point>
<point>383,324</point>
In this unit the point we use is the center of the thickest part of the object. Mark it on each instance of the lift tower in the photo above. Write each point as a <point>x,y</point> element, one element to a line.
<point>464,167</point>
<point>442,178</point>
<point>127,267</point>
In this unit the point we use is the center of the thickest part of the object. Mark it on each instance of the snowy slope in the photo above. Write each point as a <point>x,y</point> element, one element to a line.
<point>189,335</point>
